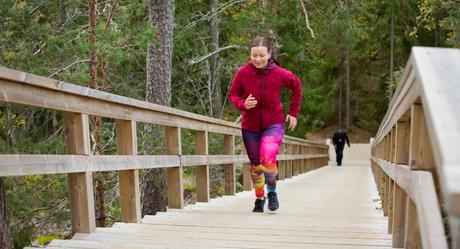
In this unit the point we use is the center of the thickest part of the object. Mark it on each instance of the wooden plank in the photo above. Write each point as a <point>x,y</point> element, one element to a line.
<point>387,167</point>
<point>130,199</point>
<point>399,218</point>
<point>420,187</point>
<point>403,178</point>
<point>393,144</point>
<point>390,205</point>
<point>247,180</point>
<point>175,183</point>
<point>202,172</point>
<point>420,152</point>
<point>428,211</point>
<point>402,143</point>
<point>80,184</point>
<point>113,106</point>
<point>454,222</point>
<point>229,169</point>
<point>412,232</point>
<point>289,163</point>
<point>18,165</point>
<point>281,164</point>
<point>386,195</point>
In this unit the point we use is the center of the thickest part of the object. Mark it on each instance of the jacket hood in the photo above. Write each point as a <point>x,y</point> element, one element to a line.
<point>272,64</point>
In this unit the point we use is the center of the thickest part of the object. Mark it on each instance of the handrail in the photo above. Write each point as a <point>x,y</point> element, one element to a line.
<point>420,130</point>
<point>77,102</point>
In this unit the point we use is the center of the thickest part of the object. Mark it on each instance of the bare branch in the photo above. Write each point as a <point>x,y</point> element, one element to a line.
<point>39,50</point>
<point>202,58</point>
<point>210,14</point>
<point>306,19</point>
<point>67,67</point>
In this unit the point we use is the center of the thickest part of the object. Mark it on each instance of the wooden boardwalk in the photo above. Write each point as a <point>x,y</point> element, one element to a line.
<point>332,207</point>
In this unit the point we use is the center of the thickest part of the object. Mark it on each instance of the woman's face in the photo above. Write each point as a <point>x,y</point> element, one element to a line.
<point>259,56</point>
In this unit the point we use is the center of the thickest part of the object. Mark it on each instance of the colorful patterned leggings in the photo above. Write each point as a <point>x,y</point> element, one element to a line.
<point>262,148</point>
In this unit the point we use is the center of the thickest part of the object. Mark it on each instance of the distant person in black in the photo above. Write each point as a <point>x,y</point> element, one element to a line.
<point>338,140</point>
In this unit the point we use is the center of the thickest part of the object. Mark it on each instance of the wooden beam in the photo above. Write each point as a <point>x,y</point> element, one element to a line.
<point>229,169</point>
<point>247,180</point>
<point>130,199</point>
<point>80,184</point>
<point>412,232</point>
<point>428,210</point>
<point>281,164</point>
<point>420,152</point>
<point>289,163</point>
<point>402,143</point>
<point>175,183</point>
<point>399,219</point>
<point>386,195</point>
<point>390,205</point>
<point>202,171</point>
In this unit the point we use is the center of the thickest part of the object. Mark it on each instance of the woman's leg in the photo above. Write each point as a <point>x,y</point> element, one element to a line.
<point>252,144</point>
<point>269,147</point>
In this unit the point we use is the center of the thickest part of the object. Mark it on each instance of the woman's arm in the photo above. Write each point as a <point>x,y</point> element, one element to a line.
<point>235,92</point>
<point>294,83</point>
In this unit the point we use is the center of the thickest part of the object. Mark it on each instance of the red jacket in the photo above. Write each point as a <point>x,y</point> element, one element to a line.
<point>265,86</point>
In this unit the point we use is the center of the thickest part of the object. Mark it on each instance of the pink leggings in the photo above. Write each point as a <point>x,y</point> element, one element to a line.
<point>262,148</point>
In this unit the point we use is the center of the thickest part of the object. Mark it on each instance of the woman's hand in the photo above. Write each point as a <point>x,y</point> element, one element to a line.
<point>292,121</point>
<point>250,102</point>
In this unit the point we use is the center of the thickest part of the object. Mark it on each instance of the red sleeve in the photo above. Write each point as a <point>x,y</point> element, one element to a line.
<point>236,91</point>
<point>294,83</point>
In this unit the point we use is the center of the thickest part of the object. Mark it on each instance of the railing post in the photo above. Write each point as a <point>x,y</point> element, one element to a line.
<point>80,184</point>
<point>247,180</point>
<point>129,179</point>
<point>400,197</point>
<point>420,153</point>
<point>399,218</point>
<point>281,164</point>
<point>454,221</point>
<point>229,169</point>
<point>202,172</point>
<point>295,163</point>
<point>386,194</point>
<point>288,162</point>
<point>402,143</point>
<point>175,184</point>
<point>311,151</point>
<point>390,204</point>
<point>304,161</point>
<point>412,231</point>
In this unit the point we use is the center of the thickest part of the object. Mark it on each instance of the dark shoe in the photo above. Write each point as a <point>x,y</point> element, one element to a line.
<point>273,201</point>
<point>259,206</point>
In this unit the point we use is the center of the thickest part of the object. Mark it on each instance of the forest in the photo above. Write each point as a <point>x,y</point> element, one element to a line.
<point>349,55</point>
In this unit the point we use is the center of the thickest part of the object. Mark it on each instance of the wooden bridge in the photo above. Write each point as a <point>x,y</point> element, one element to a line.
<point>388,193</point>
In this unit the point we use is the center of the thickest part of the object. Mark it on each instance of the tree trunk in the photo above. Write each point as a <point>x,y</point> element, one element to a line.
<point>158,91</point>
<point>100,211</point>
<point>392,38</point>
<point>5,236</point>
<point>216,91</point>
<point>437,9</point>
<point>61,12</point>
<point>340,101</point>
<point>347,93</point>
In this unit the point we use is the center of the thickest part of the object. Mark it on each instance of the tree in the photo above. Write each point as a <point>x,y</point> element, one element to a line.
<point>214,65</point>
<point>159,69</point>
<point>5,237</point>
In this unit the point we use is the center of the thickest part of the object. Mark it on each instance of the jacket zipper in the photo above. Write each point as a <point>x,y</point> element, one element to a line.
<point>261,104</point>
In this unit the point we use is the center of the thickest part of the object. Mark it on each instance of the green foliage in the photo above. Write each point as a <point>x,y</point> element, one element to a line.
<point>45,239</point>
<point>36,38</point>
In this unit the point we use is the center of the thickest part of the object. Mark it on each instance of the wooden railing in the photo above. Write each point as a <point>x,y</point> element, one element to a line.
<point>296,155</point>
<point>415,155</point>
